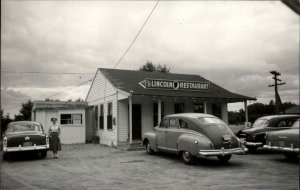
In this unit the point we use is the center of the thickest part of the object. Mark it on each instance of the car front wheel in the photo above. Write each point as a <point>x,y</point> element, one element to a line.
<point>43,154</point>
<point>187,157</point>
<point>149,149</point>
<point>224,158</point>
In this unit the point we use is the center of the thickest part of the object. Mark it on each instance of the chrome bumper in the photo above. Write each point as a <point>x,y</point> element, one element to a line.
<point>281,149</point>
<point>222,151</point>
<point>26,148</point>
<point>257,144</point>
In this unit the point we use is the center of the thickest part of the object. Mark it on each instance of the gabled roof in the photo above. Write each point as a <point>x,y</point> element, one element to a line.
<point>128,80</point>
<point>54,105</point>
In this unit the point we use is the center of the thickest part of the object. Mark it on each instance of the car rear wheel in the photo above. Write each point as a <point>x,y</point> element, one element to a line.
<point>292,156</point>
<point>252,148</point>
<point>149,149</point>
<point>43,154</point>
<point>224,158</point>
<point>5,156</point>
<point>187,157</point>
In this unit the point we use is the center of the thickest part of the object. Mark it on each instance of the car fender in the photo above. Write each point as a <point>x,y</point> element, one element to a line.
<point>150,137</point>
<point>193,143</point>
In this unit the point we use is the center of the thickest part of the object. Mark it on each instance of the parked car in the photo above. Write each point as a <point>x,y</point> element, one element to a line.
<point>255,136</point>
<point>285,141</point>
<point>25,136</point>
<point>193,135</point>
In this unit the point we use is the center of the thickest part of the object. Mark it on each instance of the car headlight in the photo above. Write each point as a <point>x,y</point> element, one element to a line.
<point>266,136</point>
<point>5,142</point>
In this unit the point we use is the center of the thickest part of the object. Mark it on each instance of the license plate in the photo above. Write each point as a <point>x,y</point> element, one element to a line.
<point>27,144</point>
<point>281,143</point>
<point>226,137</point>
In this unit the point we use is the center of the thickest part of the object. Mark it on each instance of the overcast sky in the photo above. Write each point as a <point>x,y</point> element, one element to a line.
<point>234,44</point>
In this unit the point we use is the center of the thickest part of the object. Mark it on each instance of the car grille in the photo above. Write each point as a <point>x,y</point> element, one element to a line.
<point>284,144</point>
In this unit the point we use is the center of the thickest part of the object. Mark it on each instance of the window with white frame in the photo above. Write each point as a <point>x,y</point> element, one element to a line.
<point>109,116</point>
<point>66,119</point>
<point>101,117</point>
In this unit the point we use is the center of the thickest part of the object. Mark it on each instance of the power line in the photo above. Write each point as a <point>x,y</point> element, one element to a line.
<point>70,88</point>
<point>118,62</point>
<point>48,73</point>
<point>136,35</point>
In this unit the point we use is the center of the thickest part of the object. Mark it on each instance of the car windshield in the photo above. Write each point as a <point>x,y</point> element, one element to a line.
<point>296,124</point>
<point>210,120</point>
<point>260,123</point>
<point>23,127</point>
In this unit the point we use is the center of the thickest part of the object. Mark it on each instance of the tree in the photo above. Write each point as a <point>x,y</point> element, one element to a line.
<point>5,120</point>
<point>255,111</point>
<point>51,100</point>
<point>25,111</point>
<point>79,100</point>
<point>162,68</point>
<point>150,67</point>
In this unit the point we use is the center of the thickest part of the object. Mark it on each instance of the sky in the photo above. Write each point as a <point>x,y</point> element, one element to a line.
<point>234,44</point>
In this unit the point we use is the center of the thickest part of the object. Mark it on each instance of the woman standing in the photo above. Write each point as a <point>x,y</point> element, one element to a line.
<point>54,132</point>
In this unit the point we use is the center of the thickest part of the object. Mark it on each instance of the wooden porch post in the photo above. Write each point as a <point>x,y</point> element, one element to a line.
<point>159,111</point>
<point>130,118</point>
<point>205,106</point>
<point>246,111</point>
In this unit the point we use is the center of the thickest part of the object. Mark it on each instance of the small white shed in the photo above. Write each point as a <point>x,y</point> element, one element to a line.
<point>71,117</point>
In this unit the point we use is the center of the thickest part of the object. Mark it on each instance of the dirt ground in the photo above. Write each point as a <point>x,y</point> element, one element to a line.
<point>89,166</point>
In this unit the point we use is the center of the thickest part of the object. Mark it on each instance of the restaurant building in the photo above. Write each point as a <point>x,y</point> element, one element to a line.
<point>126,103</point>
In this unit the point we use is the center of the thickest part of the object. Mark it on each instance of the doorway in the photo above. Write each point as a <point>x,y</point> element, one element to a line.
<point>136,122</point>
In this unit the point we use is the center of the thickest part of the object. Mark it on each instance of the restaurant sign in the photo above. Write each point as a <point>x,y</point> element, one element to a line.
<point>175,85</point>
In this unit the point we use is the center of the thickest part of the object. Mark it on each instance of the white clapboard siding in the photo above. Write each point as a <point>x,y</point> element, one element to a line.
<point>103,92</point>
<point>99,85</point>
<point>109,136</point>
<point>123,121</point>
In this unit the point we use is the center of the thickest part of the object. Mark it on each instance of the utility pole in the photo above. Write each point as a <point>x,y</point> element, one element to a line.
<point>278,102</point>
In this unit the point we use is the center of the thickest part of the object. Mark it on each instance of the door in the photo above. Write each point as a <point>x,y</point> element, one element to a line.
<point>136,122</point>
<point>160,133</point>
<point>172,134</point>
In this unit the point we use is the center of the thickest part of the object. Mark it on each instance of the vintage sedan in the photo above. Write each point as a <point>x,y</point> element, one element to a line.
<point>25,136</point>
<point>255,136</point>
<point>193,135</point>
<point>285,141</point>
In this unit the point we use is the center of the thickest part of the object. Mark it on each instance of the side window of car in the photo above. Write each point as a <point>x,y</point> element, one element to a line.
<point>281,123</point>
<point>286,122</point>
<point>183,124</point>
<point>164,123</point>
<point>289,122</point>
<point>174,123</point>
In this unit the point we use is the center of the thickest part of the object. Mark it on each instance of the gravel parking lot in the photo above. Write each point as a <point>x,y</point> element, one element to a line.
<point>89,166</point>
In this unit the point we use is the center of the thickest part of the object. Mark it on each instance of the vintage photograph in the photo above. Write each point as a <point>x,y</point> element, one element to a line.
<point>149,94</point>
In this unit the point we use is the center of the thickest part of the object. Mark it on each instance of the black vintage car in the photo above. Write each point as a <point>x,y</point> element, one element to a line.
<point>25,136</point>
<point>285,141</point>
<point>255,136</point>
